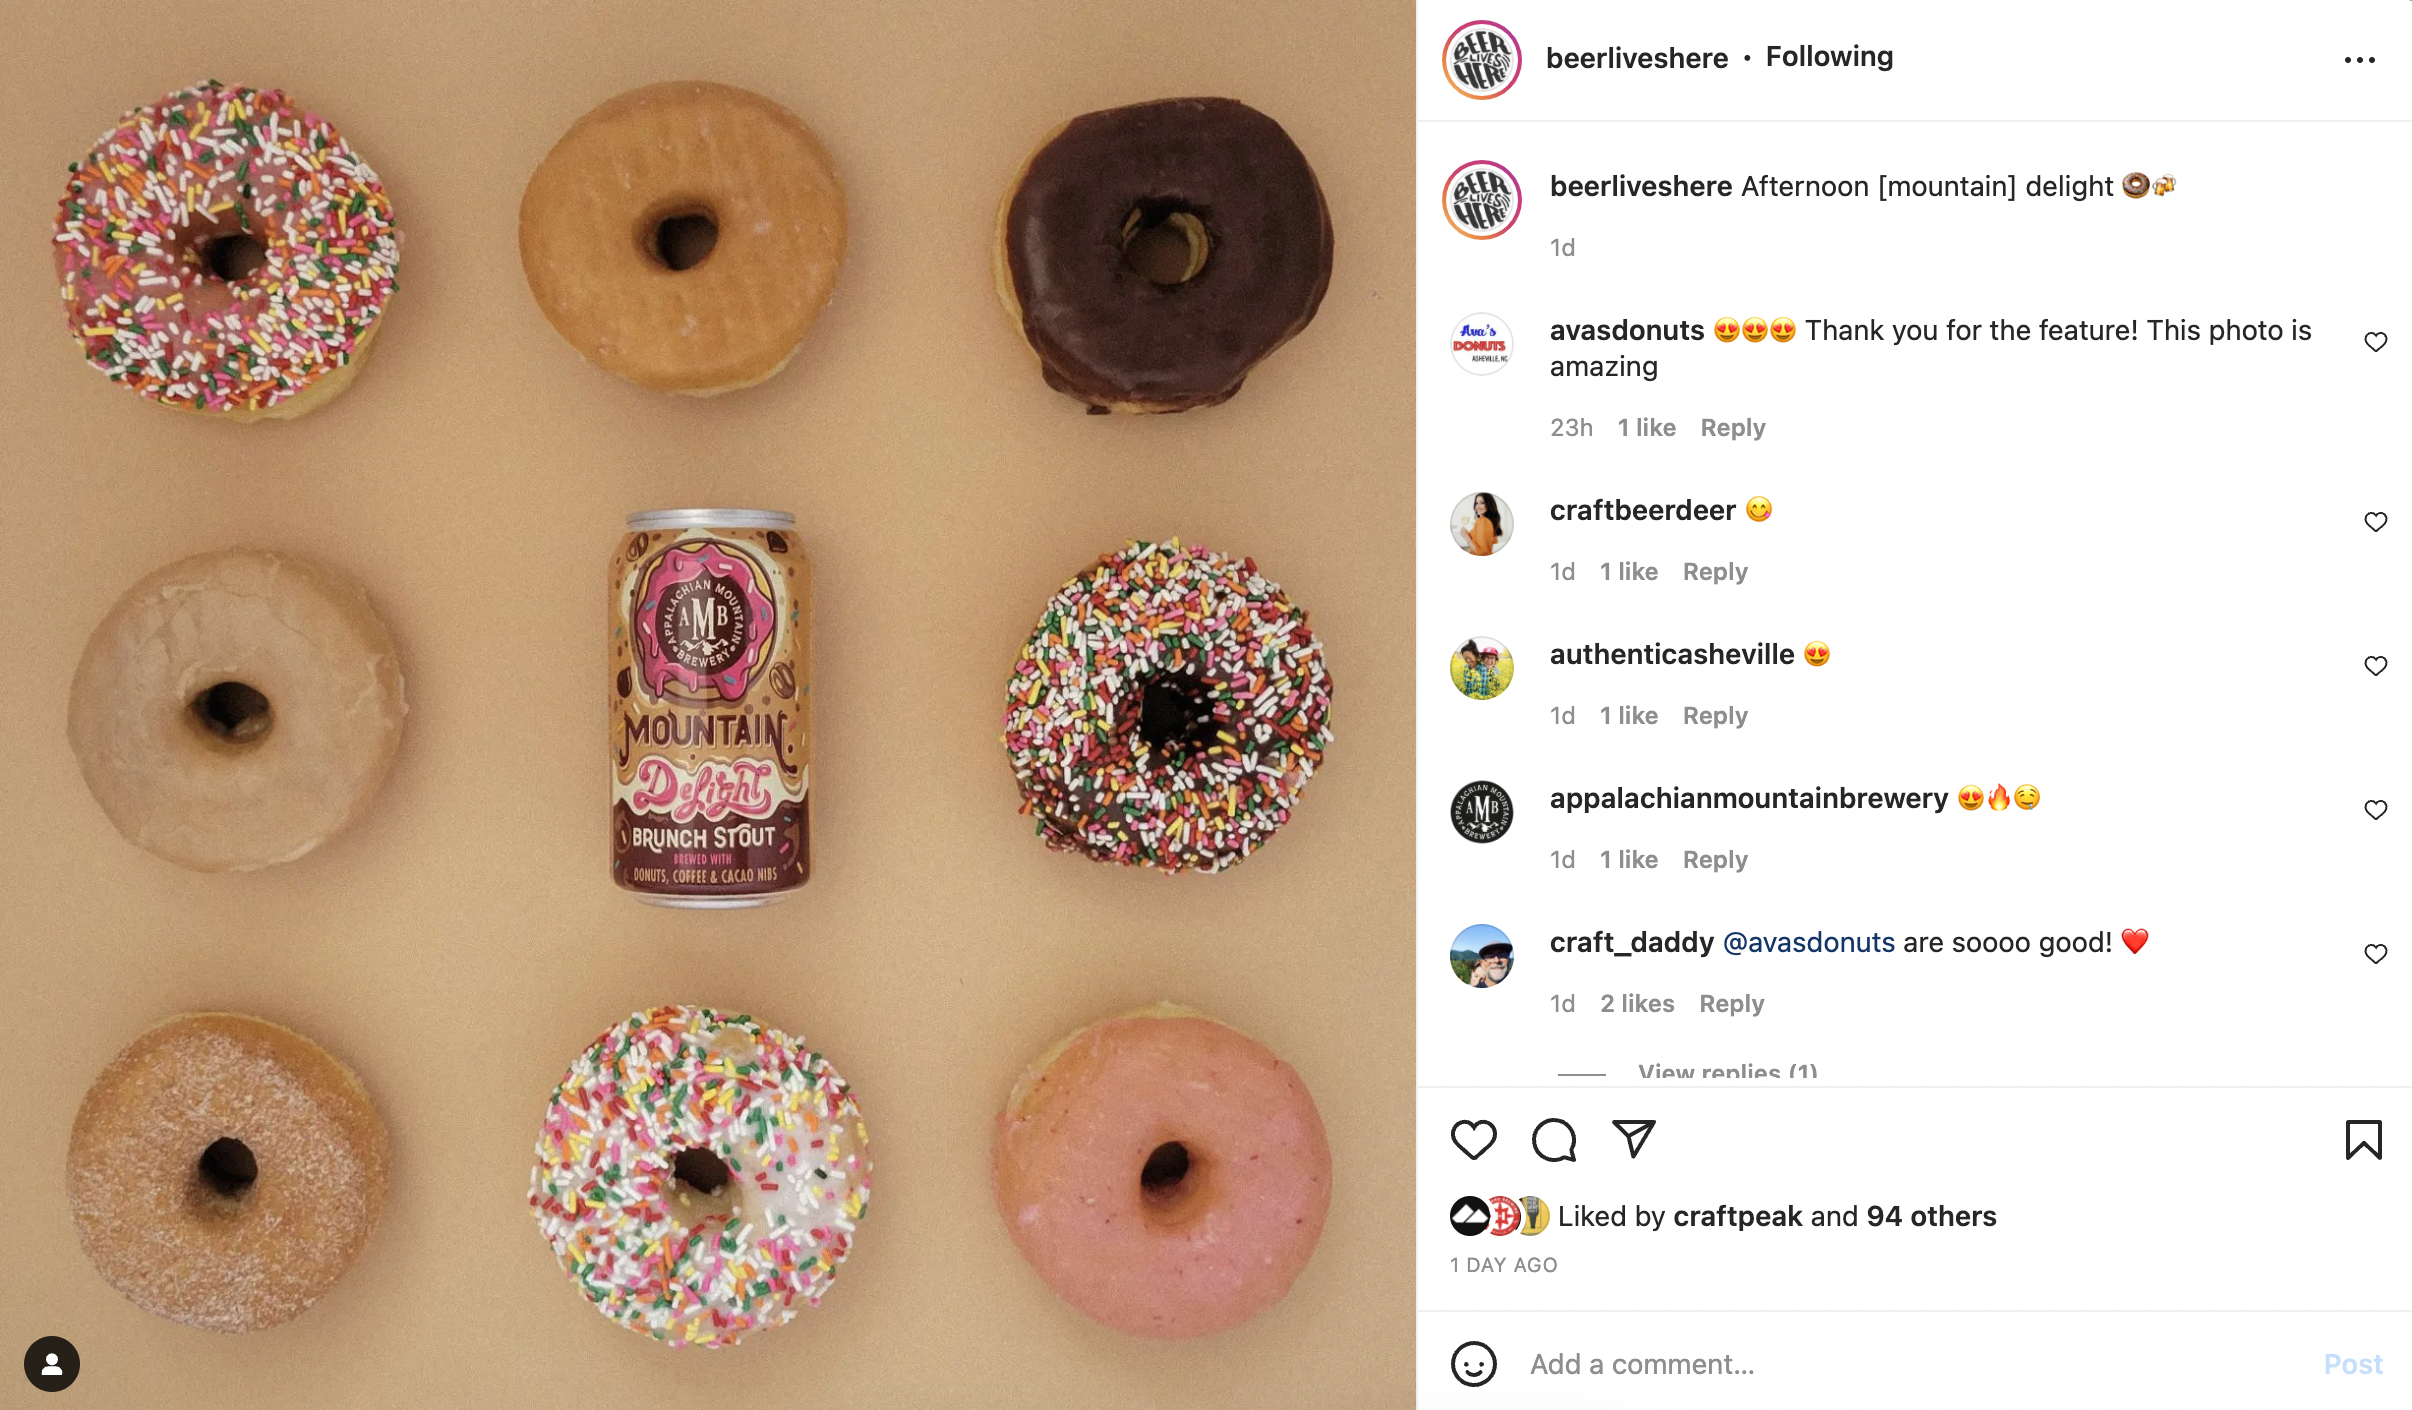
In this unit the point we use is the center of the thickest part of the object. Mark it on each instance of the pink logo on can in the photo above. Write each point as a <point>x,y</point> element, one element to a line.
<point>704,621</point>
<point>711,792</point>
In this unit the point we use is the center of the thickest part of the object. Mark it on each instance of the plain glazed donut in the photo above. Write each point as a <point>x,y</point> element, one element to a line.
<point>1165,1174</point>
<point>1151,255</point>
<point>158,229</point>
<point>684,236</point>
<point>224,1172</point>
<point>699,1175</point>
<point>236,709</point>
<point>1167,710</point>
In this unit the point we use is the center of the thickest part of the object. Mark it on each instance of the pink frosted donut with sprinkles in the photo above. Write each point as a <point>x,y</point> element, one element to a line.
<point>1167,710</point>
<point>222,251</point>
<point>700,1175</point>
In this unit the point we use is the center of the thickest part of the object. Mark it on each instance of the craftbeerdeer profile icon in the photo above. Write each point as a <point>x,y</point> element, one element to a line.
<point>1482,199</point>
<point>1482,59</point>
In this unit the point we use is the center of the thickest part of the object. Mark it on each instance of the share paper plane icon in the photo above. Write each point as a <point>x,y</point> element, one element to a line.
<point>1635,1133</point>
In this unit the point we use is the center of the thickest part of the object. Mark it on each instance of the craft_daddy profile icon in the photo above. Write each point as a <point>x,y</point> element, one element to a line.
<point>1481,343</point>
<point>1482,59</point>
<point>1482,199</point>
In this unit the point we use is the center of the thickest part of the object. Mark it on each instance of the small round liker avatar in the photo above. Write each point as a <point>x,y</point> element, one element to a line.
<point>1152,254</point>
<point>1167,710</point>
<point>699,1175</point>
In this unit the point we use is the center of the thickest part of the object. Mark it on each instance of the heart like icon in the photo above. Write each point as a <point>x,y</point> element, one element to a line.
<point>2374,664</point>
<point>2376,952</point>
<point>1463,1133</point>
<point>2134,939</point>
<point>2376,519</point>
<point>2375,340</point>
<point>2376,808</point>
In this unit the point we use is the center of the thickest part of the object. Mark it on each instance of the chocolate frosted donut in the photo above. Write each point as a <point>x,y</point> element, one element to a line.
<point>1153,254</point>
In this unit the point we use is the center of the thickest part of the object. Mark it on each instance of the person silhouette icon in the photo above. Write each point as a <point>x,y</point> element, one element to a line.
<point>50,1365</point>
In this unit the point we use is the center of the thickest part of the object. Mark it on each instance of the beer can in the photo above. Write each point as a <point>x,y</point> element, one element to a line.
<point>711,708</point>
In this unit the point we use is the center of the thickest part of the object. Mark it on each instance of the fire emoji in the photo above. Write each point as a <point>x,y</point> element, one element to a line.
<point>1999,798</point>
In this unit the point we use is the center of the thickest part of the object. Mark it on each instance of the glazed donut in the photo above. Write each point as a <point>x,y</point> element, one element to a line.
<point>224,1171</point>
<point>1165,1174</point>
<point>699,1173</point>
<point>236,709</point>
<point>223,251</point>
<point>1167,710</point>
<point>684,236</point>
<point>1151,255</point>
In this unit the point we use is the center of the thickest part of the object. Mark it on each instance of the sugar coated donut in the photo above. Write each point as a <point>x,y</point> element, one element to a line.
<point>1167,710</point>
<point>236,709</point>
<point>223,251</point>
<point>1153,254</point>
<point>684,236</point>
<point>224,1171</point>
<point>699,1174</point>
<point>1165,1174</point>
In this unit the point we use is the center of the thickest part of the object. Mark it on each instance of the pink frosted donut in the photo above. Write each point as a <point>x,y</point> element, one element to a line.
<point>1165,1174</point>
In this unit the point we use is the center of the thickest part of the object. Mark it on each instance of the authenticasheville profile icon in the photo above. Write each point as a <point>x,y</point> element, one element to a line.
<point>1481,343</point>
<point>1482,199</point>
<point>1481,811</point>
<point>1482,59</point>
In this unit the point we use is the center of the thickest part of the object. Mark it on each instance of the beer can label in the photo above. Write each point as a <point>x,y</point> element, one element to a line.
<point>711,711</point>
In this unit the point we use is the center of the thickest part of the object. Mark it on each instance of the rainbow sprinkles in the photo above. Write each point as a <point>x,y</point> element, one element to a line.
<point>136,232</point>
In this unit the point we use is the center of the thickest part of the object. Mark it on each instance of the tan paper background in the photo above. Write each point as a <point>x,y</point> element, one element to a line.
<point>460,944</point>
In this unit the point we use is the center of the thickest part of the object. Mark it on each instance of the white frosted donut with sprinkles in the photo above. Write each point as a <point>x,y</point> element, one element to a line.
<point>699,1175</point>
<point>223,251</point>
<point>1167,710</point>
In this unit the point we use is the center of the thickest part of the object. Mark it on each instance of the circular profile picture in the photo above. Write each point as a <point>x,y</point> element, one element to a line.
<point>1482,199</point>
<point>1481,668</point>
<point>1482,59</point>
<point>1481,524</point>
<point>1481,343</point>
<point>1482,811</point>
<point>1481,956</point>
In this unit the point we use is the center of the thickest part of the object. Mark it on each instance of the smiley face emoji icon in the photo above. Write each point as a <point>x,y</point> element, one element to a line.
<point>1817,653</point>
<point>1728,330</point>
<point>1755,329</point>
<point>1972,796</point>
<point>1474,1363</point>
<point>1782,330</point>
<point>2027,797</point>
<point>1758,509</point>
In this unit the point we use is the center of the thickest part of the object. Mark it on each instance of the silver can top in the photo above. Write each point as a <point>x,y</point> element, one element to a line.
<point>711,518</point>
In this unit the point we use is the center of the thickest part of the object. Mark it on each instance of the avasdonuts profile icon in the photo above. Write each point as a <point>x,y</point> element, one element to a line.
<point>1482,59</point>
<point>1482,199</point>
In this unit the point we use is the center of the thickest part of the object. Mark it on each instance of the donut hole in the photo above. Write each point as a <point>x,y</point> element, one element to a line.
<point>1175,715</point>
<point>700,1186</point>
<point>232,257</point>
<point>1164,242</point>
<point>234,712</point>
<point>227,1168</point>
<point>680,237</point>
<point>1167,1179</point>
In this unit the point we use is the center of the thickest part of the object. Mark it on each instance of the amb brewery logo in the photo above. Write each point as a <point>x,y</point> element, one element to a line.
<point>1481,343</point>
<point>1482,200</point>
<point>1482,59</point>
<point>1481,811</point>
<point>703,621</point>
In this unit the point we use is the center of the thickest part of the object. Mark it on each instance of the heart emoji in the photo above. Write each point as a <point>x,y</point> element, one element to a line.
<point>2134,940</point>
<point>2375,340</point>
<point>2376,519</point>
<point>2374,664</point>
<point>2376,808</point>
<point>1464,1134</point>
<point>2375,952</point>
